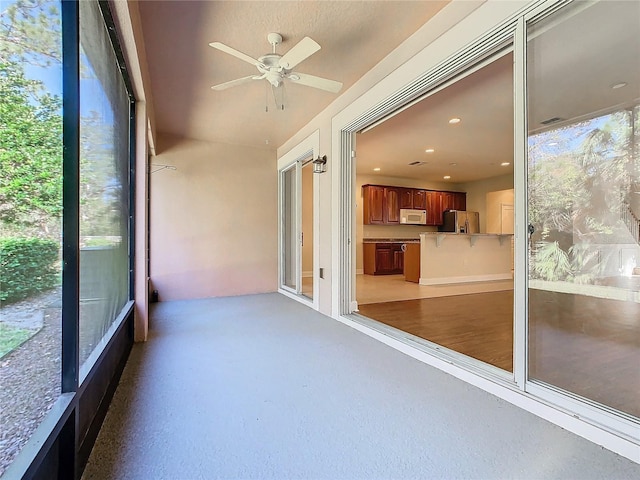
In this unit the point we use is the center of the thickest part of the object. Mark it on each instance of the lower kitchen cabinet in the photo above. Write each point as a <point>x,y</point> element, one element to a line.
<point>383,258</point>
<point>412,263</point>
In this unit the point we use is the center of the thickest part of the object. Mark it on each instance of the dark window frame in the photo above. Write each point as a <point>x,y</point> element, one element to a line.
<point>58,449</point>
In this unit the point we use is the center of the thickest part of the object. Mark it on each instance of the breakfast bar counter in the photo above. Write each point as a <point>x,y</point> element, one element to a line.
<point>459,258</point>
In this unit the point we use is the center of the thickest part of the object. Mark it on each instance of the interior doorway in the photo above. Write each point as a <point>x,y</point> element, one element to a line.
<point>449,155</point>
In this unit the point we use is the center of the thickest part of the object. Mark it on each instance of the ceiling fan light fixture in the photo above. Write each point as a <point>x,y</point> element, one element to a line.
<point>275,68</point>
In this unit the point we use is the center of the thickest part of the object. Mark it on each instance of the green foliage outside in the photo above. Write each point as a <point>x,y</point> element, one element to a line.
<point>27,266</point>
<point>12,337</point>
<point>576,193</point>
<point>30,121</point>
<point>30,154</point>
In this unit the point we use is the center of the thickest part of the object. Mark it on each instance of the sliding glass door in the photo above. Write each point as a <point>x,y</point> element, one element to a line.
<point>290,278</point>
<point>583,95</point>
<point>306,234</point>
<point>297,248</point>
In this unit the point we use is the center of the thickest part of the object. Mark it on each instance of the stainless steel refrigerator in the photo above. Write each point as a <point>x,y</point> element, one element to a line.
<point>459,221</point>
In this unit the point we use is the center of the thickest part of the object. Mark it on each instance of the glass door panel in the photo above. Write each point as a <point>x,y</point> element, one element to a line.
<point>584,202</point>
<point>289,229</point>
<point>307,230</point>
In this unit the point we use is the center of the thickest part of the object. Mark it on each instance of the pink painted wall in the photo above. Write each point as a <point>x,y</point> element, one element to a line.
<point>213,220</point>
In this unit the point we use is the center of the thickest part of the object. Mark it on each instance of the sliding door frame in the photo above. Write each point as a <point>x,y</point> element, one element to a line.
<point>600,425</point>
<point>623,425</point>
<point>297,158</point>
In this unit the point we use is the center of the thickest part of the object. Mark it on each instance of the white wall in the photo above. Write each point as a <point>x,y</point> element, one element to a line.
<point>495,201</point>
<point>477,194</point>
<point>213,220</point>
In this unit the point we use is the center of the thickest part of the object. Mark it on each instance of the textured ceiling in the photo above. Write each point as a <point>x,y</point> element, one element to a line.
<point>570,77</point>
<point>467,151</point>
<point>354,36</point>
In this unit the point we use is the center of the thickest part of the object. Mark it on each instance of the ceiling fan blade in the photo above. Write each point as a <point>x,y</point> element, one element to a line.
<point>233,83</point>
<point>234,52</point>
<point>301,51</point>
<point>315,82</point>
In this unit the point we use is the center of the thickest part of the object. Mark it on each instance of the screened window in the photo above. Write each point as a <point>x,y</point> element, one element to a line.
<point>104,184</point>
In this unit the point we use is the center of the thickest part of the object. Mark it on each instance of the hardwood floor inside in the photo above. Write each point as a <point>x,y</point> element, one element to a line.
<point>479,325</point>
<point>586,345</point>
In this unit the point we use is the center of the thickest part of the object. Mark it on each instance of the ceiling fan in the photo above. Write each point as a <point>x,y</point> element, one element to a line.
<point>276,68</point>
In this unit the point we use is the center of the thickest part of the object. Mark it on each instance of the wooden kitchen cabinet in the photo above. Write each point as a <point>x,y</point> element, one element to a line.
<point>434,208</point>
<point>459,201</point>
<point>413,198</point>
<point>382,203</point>
<point>383,258</point>
<point>391,212</point>
<point>412,263</point>
<point>406,197</point>
<point>419,199</point>
<point>374,204</point>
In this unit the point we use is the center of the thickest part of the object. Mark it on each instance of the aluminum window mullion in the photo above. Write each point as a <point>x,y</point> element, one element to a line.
<point>520,310</point>
<point>70,195</point>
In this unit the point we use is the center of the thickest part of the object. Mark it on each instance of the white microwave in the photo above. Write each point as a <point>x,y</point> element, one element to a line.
<point>410,216</point>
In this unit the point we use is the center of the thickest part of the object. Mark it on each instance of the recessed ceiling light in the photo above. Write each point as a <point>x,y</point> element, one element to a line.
<point>447,177</point>
<point>616,86</point>
<point>504,164</point>
<point>454,120</point>
<point>429,150</point>
<point>377,169</point>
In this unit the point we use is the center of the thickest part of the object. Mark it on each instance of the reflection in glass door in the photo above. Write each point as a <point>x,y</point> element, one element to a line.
<point>290,250</point>
<point>307,230</point>
<point>584,202</point>
<point>297,229</point>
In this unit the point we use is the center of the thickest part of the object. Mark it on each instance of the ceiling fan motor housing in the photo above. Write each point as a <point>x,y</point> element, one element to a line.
<point>270,67</point>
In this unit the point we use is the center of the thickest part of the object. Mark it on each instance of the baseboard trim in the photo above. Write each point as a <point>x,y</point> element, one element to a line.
<point>466,279</point>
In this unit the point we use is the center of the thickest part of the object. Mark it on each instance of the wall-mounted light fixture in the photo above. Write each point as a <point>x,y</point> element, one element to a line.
<point>320,164</point>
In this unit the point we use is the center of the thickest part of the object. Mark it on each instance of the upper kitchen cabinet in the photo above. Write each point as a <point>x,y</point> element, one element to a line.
<point>419,199</point>
<point>434,208</point>
<point>413,198</point>
<point>454,201</point>
<point>459,201</point>
<point>374,204</point>
<point>439,202</point>
<point>381,205</point>
<point>391,205</point>
<point>406,197</point>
